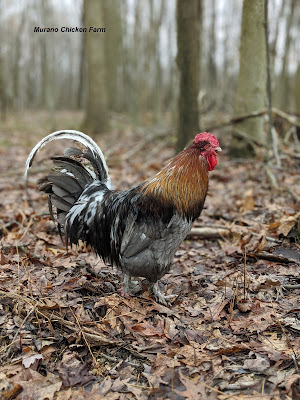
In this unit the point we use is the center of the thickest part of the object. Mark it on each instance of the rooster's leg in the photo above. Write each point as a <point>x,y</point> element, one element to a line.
<point>125,287</point>
<point>158,294</point>
<point>129,287</point>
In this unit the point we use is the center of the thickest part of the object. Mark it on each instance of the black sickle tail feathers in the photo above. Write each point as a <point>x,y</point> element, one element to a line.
<point>64,185</point>
<point>84,218</point>
<point>71,174</point>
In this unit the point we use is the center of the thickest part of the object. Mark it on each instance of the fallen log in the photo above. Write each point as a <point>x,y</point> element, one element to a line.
<point>209,232</point>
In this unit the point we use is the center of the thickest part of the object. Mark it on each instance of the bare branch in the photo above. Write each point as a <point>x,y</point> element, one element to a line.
<point>290,118</point>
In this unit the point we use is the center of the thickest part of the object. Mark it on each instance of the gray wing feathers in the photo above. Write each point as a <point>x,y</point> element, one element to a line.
<point>136,238</point>
<point>161,239</point>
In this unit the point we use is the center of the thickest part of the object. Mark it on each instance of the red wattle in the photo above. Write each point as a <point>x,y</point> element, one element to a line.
<point>212,160</point>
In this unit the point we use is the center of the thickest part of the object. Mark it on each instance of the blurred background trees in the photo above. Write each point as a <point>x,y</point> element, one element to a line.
<point>251,86</point>
<point>188,17</point>
<point>98,73</point>
<point>131,69</point>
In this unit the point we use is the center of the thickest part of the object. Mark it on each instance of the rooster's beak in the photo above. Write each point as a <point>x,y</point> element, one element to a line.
<point>218,149</point>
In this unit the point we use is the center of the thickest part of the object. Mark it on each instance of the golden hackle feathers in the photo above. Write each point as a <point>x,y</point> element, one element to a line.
<point>183,182</point>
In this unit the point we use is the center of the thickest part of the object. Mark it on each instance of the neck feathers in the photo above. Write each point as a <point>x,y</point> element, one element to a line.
<point>183,183</point>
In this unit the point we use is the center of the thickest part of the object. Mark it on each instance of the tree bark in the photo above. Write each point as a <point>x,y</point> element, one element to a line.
<point>16,66</point>
<point>284,89</point>
<point>112,17</point>
<point>251,87</point>
<point>297,91</point>
<point>82,68</point>
<point>212,67</point>
<point>188,61</point>
<point>96,116</point>
<point>3,102</point>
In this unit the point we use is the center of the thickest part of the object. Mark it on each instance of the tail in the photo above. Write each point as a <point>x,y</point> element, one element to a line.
<point>70,177</point>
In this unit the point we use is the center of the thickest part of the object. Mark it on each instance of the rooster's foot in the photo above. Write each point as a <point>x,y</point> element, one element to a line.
<point>135,287</point>
<point>129,287</point>
<point>160,298</point>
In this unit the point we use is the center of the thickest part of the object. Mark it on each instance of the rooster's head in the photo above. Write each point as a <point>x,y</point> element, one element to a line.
<point>209,146</point>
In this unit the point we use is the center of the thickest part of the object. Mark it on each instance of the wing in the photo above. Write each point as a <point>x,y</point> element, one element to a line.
<point>148,247</point>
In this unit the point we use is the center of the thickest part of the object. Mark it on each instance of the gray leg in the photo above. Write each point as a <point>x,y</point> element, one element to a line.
<point>129,287</point>
<point>160,298</point>
<point>135,286</point>
<point>126,283</point>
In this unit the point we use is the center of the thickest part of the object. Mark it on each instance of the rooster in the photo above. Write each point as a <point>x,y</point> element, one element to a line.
<point>137,230</point>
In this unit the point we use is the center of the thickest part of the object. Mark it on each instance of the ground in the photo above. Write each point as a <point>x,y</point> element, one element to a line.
<point>232,328</point>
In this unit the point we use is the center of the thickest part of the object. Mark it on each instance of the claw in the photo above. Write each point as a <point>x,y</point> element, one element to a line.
<point>135,287</point>
<point>130,287</point>
<point>160,298</point>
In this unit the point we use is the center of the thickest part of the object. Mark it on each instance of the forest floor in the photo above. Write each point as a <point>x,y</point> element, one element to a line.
<point>230,332</point>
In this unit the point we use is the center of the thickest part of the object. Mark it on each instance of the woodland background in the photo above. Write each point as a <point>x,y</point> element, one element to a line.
<point>161,72</point>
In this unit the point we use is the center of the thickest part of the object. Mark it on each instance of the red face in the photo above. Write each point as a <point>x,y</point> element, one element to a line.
<point>210,148</point>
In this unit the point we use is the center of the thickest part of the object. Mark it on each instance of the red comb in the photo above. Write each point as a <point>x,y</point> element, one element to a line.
<point>207,137</point>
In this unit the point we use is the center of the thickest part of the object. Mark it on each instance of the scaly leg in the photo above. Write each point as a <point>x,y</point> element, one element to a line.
<point>160,298</point>
<point>129,287</point>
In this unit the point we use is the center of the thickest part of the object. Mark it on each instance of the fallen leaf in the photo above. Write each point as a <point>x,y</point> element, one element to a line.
<point>194,389</point>
<point>149,329</point>
<point>28,361</point>
<point>290,380</point>
<point>259,363</point>
<point>287,223</point>
<point>248,201</point>
<point>245,382</point>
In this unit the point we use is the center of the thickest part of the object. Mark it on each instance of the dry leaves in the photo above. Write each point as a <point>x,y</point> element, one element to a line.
<point>232,330</point>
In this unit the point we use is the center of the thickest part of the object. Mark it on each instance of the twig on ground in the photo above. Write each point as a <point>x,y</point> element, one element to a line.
<point>93,337</point>
<point>209,232</point>
<point>19,330</point>
<point>272,257</point>
<point>291,286</point>
<point>96,364</point>
<point>218,232</point>
<point>116,360</point>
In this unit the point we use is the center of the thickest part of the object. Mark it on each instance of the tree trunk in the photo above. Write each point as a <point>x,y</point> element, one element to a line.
<point>297,91</point>
<point>82,68</point>
<point>283,84</point>
<point>96,117</point>
<point>3,102</point>
<point>16,67</point>
<point>188,61</point>
<point>251,87</point>
<point>212,67</point>
<point>112,17</point>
